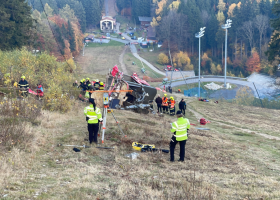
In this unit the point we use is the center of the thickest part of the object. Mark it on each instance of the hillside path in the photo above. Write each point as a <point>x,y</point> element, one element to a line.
<point>121,61</point>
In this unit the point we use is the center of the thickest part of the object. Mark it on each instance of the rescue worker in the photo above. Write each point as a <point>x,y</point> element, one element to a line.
<point>84,86</point>
<point>180,129</point>
<point>179,90</point>
<point>172,106</point>
<point>87,81</point>
<point>96,85</point>
<point>24,86</point>
<point>183,106</point>
<point>81,83</point>
<point>165,104</point>
<point>159,103</point>
<point>93,116</point>
<point>89,92</point>
<point>101,86</point>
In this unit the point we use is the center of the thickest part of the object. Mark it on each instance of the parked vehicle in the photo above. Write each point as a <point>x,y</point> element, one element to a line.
<point>134,38</point>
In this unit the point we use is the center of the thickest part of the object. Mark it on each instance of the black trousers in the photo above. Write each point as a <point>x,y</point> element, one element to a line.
<point>172,111</point>
<point>183,111</point>
<point>182,148</point>
<point>165,109</point>
<point>159,109</point>
<point>92,132</point>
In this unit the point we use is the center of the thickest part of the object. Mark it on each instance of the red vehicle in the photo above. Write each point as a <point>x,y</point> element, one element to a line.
<point>169,68</point>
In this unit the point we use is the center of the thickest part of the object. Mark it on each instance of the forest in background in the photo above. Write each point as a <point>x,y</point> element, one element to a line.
<point>177,22</point>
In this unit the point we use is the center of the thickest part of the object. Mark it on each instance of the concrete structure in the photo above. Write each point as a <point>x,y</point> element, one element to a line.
<point>107,24</point>
<point>145,21</point>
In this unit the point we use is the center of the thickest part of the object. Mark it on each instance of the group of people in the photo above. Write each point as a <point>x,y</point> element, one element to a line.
<point>167,105</point>
<point>24,88</point>
<point>86,84</point>
<point>179,129</point>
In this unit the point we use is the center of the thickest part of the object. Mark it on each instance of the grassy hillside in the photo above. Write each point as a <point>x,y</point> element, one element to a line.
<point>237,159</point>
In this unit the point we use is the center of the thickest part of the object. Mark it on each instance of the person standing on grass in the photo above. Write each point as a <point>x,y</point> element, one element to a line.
<point>159,103</point>
<point>180,129</point>
<point>183,106</point>
<point>93,116</point>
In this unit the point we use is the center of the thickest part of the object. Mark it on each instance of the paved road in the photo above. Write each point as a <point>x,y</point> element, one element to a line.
<point>232,81</point>
<point>135,54</point>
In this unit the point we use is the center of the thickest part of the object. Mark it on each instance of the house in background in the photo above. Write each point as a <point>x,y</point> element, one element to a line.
<point>151,35</point>
<point>145,21</point>
<point>107,24</point>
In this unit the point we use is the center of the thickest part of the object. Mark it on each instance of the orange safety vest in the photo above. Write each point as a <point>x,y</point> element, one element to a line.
<point>164,101</point>
<point>172,103</point>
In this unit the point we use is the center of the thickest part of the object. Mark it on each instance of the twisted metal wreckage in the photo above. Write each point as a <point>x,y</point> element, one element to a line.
<point>140,94</point>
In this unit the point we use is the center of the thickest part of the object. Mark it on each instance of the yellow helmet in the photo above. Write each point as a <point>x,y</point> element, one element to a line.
<point>165,95</point>
<point>87,78</point>
<point>171,98</point>
<point>22,77</point>
<point>84,80</point>
<point>101,83</point>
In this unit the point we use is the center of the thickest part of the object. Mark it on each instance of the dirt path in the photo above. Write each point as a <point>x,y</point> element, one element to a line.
<point>121,61</point>
<point>199,116</point>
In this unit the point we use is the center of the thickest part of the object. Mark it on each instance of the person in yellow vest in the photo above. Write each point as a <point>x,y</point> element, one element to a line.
<point>165,104</point>
<point>93,116</point>
<point>171,103</point>
<point>101,86</point>
<point>180,129</point>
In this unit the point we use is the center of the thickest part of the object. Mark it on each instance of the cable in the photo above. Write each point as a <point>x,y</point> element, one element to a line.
<point>53,34</point>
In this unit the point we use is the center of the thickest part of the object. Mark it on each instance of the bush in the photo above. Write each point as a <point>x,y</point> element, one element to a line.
<point>14,115</point>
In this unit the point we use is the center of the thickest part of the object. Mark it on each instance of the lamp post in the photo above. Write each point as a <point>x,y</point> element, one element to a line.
<point>226,26</point>
<point>199,35</point>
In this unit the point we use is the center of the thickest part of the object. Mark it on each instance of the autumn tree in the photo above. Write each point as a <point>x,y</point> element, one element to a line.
<point>163,59</point>
<point>182,60</point>
<point>253,64</point>
<point>219,69</point>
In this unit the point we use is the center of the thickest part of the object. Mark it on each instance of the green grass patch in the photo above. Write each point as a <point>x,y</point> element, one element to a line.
<point>111,43</point>
<point>129,58</point>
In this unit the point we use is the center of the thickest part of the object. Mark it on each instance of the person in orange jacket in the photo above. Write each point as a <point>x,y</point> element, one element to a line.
<point>165,104</point>
<point>171,103</point>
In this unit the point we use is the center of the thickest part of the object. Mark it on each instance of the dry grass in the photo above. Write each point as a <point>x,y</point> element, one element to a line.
<point>220,163</point>
<point>99,60</point>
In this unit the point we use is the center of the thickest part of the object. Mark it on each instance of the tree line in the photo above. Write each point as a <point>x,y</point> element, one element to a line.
<point>138,7</point>
<point>88,12</point>
<point>178,21</point>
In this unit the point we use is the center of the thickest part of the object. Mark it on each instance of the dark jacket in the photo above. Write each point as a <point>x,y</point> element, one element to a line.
<point>182,105</point>
<point>96,85</point>
<point>23,84</point>
<point>158,100</point>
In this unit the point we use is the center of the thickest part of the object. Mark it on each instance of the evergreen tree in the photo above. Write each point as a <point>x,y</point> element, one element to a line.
<point>15,23</point>
<point>93,12</point>
<point>60,39</point>
<point>71,37</point>
<point>274,45</point>
<point>64,30</point>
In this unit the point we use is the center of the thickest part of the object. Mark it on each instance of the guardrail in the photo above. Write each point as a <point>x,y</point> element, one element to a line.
<point>207,76</point>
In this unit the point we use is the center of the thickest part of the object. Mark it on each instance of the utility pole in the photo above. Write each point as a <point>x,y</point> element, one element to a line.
<point>226,26</point>
<point>199,35</point>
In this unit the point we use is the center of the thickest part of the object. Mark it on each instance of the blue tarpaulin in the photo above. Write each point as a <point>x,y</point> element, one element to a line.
<point>193,92</point>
